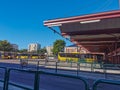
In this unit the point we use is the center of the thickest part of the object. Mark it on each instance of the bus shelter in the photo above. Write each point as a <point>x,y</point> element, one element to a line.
<point>98,32</point>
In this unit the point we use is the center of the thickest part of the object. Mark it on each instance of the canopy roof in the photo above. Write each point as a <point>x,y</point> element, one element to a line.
<point>97,32</point>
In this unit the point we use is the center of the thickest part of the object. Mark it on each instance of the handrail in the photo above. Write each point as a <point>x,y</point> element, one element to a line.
<point>14,84</point>
<point>36,79</point>
<point>4,80</point>
<point>20,86</point>
<point>68,76</point>
<point>105,81</point>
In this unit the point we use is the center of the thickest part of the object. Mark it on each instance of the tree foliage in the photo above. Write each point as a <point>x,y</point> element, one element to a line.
<point>23,51</point>
<point>58,46</point>
<point>5,46</point>
<point>42,51</point>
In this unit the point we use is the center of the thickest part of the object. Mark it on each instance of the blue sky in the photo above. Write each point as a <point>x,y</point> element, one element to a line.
<point>21,21</point>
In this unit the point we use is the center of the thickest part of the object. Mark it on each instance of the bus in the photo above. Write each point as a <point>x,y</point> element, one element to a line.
<point>22,56</point>
<point>81,57</point>
<point>30,56</point>
<point>15,55</point>
<point>42,56</point>
<point>34,56</point>
<point>7,55</point>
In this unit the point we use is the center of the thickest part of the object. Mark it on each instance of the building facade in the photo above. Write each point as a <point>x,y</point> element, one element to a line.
<point>74,48</point>
<point>15,47</point>
<point>34,47</point>
<point>49,50</point>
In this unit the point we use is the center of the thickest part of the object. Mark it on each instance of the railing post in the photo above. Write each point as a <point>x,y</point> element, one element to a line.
<point>36,81</point>
<point>56,66</point>
<point>38,65</point>
<point>71,63</point>
<point>21,63</point>
<point>78,68</point>
<point>46,60</point>
<point>92,69</point>
<point>105,71</point>
<point>7,79</point>
<point>94,87</point>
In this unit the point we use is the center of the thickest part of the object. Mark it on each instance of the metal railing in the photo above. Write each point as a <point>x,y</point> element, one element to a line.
<point>4,79</point>
<point>37,80</point>
<point>96,83</point>
<point>68,76</point>
<point>81,65</point>
<point>7,74</point>
<point>17,85</point>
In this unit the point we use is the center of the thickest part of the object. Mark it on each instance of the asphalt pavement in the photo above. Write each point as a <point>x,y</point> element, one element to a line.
<point>49,82</point>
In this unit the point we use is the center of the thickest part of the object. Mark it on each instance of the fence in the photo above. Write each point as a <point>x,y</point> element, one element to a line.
<point>4,77</point>
<point>37,74</point>
<point>42,64</point>
<point>36,79</point>
<point>111,82</point>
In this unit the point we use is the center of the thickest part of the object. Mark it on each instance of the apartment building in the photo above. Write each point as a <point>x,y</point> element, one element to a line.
<point>34,47</point>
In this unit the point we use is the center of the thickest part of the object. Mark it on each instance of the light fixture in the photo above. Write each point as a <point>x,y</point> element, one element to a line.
<point>53,25</point>
<point>91,21</point>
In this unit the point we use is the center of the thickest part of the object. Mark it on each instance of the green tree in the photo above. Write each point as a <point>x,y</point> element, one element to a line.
<point>42,51</point>
<point>58,46</point>
<point>5,46</point>
<point>23,51</point>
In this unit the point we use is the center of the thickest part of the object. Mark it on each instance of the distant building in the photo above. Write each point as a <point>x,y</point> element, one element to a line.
<point>34,47</point>
<point>74,48</point>
<point>49,50</point>
<point>14,46</point>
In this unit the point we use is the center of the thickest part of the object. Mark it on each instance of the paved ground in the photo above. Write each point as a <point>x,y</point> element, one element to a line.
<point>69,70</point>
<point>48,82</point>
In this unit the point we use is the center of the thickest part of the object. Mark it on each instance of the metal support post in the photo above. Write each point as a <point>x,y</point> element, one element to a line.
<point>56,67</point>
<point>71,63</point>
<point>38,65</point>
<point>7,76</point>
<point>92,69</point>
<point>105,71</point>
<point>5,79</point>
<point>78,68</point>
<point>36,82</point>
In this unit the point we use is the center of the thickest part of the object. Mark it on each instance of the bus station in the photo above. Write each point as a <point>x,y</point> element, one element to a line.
<point>60,45</point>
<point>98,33</point>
